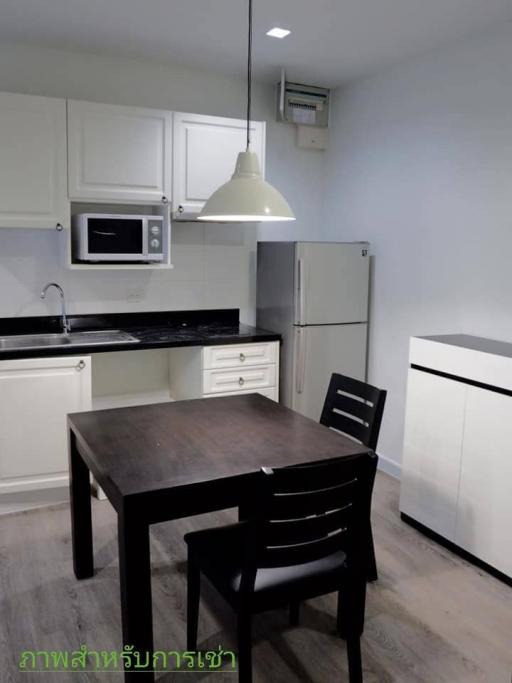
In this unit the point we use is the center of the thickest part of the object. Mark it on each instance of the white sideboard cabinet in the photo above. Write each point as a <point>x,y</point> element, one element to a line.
<point>457,458</point>
<point>33,163</point>
<point>119,153</point>
<point>36,394</point>
<point>205,153</point>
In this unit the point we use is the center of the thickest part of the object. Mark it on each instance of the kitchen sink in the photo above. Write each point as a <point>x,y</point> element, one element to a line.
<point>42,341</point>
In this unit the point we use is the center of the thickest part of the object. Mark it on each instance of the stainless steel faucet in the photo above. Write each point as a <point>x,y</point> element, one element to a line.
<point>66,327</point>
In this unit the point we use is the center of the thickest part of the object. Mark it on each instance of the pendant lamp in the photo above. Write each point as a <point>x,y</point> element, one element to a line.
<point>247,198</point>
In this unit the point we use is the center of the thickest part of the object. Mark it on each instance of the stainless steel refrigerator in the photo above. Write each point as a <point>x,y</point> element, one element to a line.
<point>316,295</point>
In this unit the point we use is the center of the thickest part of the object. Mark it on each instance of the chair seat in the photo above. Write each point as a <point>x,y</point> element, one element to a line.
<point>219,553</point>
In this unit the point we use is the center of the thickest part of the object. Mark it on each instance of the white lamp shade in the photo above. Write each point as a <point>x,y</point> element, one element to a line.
<point>246,198</point>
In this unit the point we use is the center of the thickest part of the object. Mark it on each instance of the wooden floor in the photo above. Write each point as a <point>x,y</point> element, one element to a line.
<point>431,618</point>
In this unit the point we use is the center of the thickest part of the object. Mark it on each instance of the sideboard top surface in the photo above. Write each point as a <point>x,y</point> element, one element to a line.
<point>467,341</point>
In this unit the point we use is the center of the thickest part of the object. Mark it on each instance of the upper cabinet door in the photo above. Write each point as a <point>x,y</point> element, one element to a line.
<point>33,187</point>
<point>119,153</point>
<point>205,152</point>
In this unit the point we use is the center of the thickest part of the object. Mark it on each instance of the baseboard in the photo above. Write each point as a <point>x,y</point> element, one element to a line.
<point>456,549</point>
<point>389,466</point>
<point>21,501</point>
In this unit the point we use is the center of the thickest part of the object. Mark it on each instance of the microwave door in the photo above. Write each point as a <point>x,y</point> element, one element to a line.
<point>115,240</point>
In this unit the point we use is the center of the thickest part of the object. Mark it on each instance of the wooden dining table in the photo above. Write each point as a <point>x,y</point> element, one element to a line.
<point>166,461</point>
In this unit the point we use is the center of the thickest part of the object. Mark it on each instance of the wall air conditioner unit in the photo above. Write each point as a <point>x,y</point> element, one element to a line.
<point>308,107</point>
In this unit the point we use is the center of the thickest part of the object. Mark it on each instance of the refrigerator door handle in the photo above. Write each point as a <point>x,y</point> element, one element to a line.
<point>301,290</point>
<point>300,368</point>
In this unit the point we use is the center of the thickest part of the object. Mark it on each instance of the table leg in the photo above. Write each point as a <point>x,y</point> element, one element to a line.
<point>81,519</point>
<point>135,576</point>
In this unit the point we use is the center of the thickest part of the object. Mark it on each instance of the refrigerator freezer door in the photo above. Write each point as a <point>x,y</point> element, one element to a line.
<point>331,283</point>
<point>319,351</point>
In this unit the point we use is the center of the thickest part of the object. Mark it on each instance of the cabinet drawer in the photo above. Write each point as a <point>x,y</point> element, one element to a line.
<point>239,355</point>
<point>216,381</point>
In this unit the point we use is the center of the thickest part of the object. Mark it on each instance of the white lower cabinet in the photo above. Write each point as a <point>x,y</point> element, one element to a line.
<point>434,425</point>
<point>35,397</point>
<point>457,458</point>
<point>484,517</point>
<point>225,370</point>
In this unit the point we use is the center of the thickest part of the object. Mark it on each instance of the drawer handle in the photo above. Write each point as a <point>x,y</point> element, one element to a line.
<point>241,381</point>
<point>80,365</point>
<point>242,357</point>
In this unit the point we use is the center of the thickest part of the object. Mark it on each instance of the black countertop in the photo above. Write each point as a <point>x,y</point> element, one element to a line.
<point>153,330</point>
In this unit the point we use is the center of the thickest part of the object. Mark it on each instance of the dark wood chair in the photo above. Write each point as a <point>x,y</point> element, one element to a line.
<point>355,409</point>
<point>305,535</point>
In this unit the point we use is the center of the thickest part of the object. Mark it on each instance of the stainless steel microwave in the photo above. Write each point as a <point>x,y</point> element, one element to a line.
<point>117,238</point>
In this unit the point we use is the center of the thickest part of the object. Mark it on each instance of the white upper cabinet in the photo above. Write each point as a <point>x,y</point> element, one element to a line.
<point>205,152</point>
<point>33,188</point>
<point>118,153</point>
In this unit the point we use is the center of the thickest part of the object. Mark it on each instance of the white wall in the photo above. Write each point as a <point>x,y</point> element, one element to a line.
<point>214,267</point>
<point>420,164</point>
<point>209,261</point>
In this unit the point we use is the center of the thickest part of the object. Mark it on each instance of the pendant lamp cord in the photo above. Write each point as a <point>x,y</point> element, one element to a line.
<point>249,76</point>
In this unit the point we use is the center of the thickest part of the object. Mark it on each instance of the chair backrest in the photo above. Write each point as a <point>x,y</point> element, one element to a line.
<point>354,408</point>
<point>302,514</point>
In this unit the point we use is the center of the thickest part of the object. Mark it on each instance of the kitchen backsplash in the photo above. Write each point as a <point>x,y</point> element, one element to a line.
<point>214,267</point>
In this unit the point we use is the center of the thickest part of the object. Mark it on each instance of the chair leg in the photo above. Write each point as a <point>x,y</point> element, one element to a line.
<point>372,563</point>
<point>340,617</point>
<point>244,628</point>
<point>355,667</point>
<point>193,596</point>
<point>294,613</point>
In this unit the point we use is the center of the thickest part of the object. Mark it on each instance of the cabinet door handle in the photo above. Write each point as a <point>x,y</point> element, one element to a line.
<point>59,227</point>
<point>164,199</point>
<point>241,381</point>
<point>242,357</point>
<point>180,209</point>
<point>80,365</point>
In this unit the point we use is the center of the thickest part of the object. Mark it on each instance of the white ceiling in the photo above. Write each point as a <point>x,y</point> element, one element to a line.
<point>332,41</point>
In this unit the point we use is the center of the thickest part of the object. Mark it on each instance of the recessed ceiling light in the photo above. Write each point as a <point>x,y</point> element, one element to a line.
<point>277,32</point>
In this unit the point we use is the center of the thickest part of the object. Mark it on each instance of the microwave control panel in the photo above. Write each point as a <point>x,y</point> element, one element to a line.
<point>155,237</point>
